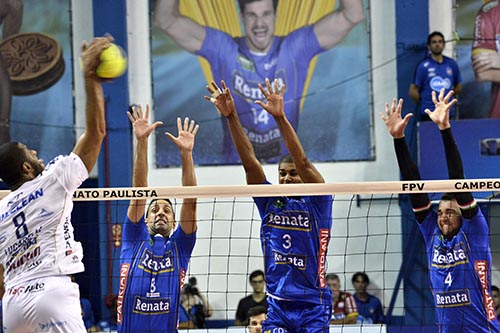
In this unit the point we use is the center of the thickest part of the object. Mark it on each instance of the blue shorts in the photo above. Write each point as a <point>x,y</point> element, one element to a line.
<point>297,317</point>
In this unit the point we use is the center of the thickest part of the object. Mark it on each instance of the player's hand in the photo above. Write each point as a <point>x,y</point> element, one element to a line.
<point>392,119</point>
<point>91,54</point>
<point>221,98</point>
<point>441,114</point>
<point>274,98</point>
<point>140,122</point>
<point>187,131</point>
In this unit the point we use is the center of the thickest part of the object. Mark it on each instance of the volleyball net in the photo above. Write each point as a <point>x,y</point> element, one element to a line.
<point>373,231</point>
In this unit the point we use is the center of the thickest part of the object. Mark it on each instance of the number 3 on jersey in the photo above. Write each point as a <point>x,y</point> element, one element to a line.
<point>448,280</point>
<point>287,241</point>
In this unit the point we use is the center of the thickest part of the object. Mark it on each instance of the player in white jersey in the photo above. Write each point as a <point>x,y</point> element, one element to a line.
<point>37,246</point>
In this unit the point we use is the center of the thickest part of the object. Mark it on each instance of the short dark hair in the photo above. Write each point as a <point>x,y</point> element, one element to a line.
<point>432,34</point>
<point>155,200</point>
<point>12,158</point>
<point>256,273</point>
<point>495,288</point>
<point>256,310</point>
<point>332,276</point>
<point>363,275</point>
<point>243,3</point>
<point>286,159</point>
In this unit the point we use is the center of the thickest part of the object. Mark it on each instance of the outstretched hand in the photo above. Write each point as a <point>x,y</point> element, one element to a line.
<point>274,98</point>
<point>187,132</point>
<point>441,114</point>
<point>221,98</point>
<point>392,119</point>
<point>140,122</point>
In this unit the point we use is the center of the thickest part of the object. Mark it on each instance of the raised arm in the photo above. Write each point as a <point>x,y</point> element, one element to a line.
<point>185,143</point>
<point>275,106</point>
<point>184,31</point>
<point>89,144</point>
<point>396,127</point>
<point>441,117</point>
<point>224,102</point>
<point>332,28</point>
<point>142,131</point>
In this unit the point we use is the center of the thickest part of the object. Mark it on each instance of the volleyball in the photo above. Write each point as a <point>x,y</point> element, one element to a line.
<point>113,62</point>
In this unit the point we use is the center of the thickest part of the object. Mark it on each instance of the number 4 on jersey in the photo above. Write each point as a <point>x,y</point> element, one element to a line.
<point>448,280</point>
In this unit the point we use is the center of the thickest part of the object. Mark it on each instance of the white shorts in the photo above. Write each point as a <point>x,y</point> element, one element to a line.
<point>50,304</point>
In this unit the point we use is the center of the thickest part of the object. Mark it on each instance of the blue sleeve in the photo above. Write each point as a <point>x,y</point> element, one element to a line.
<point>263,202</point>
<point>217,46</point>
<point>428,226</point>
<point>302,44</point>
<point>185,244</point>
<point>477,230</point>
<point>133,232</point>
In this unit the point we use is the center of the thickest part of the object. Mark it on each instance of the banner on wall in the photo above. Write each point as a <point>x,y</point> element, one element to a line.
<point>327,96</point>
<point>36,97</point>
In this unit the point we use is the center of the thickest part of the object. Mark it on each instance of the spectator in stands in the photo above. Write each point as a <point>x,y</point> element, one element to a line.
<point>369,307</point>
<point>256,316</point>
<point>435,72</point>
<point>345,310</point>
<point>110,324</point>
<point>495,293</point>
<point>88,315</point>
<point>87,311</point>
<point>194,305</point>
<point>258,297</point>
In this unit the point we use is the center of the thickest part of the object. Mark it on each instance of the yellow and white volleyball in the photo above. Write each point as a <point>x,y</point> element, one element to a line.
<point>113,62</point>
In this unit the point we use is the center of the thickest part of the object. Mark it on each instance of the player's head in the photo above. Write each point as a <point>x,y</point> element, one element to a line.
<point>257,281</point>
<point>333,282</point>
<point>360,281</point>
<point>435,43</point>
<point>160,217</point>
<point>256,315</point>
<point>18,164</point>
<point>287,171</point>
<point>259,17</point>
<point>495,294</point>
<point>449,215</point>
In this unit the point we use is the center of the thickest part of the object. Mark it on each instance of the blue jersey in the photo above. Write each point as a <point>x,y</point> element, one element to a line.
<point>460,270</point>
<point>370,311</point>
<point>431,75</point>
<point>287,60</point>
<point>151,276</point>
<point>295,233</point>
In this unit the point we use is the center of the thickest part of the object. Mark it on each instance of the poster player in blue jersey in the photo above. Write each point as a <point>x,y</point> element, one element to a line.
<point>246,61</point>
<point>456,236</point>
<point>295,231</point>
<point>155,254</point>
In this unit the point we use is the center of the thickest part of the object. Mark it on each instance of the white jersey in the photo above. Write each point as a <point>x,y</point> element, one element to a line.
<point>36,234</point>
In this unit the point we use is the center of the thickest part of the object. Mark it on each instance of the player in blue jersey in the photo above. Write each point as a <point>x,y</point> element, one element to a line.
<point>155,254</point>
<point>295,231</point>
<point>456,235</point>
<point>246,61</point>
<point>435,72</point>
